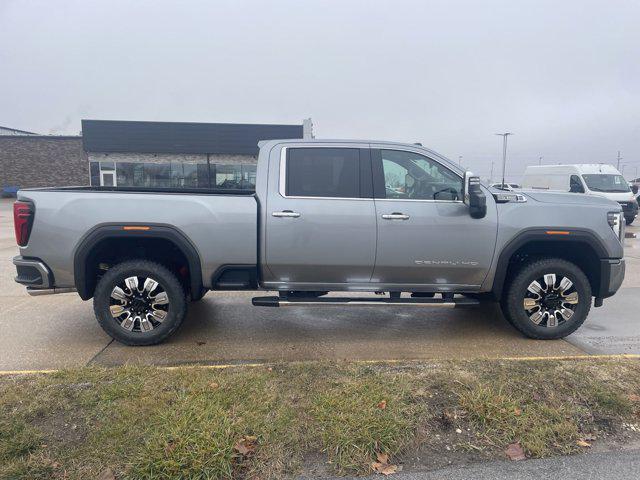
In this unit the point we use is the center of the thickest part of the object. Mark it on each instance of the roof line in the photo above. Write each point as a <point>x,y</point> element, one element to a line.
<point>193,123</point>
<point>18,130</point>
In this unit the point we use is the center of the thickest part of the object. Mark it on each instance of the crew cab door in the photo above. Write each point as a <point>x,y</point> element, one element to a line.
<point>321,224</point>
<point>426,236</point>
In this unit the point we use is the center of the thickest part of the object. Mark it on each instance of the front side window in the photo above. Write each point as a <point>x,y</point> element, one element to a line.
<point>323,172</point>
<point>412,176</point>
<point>600,182</point>
<point>575,185</point>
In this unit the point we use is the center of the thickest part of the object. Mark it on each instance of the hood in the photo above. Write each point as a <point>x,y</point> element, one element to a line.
<point>568,198</point>
<point>615,196</point>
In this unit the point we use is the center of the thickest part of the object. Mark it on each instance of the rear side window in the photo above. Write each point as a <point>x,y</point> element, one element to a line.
<point>323,172</point>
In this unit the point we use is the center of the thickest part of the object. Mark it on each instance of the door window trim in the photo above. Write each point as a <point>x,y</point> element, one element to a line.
<point>378,174</point>
<point>282,180</point>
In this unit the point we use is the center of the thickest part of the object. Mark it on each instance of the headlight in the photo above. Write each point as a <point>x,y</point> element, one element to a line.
<point>616,223</point>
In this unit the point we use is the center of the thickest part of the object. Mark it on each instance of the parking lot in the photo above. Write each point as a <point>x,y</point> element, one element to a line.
<point>58,331</point>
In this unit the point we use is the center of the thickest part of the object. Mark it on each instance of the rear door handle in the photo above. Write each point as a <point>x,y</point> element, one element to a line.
<point>286,213</point>
<point>395,216</point>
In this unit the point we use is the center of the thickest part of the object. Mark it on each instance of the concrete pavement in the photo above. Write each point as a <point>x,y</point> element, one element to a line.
<point>617,465</point>
<point>60,331</point>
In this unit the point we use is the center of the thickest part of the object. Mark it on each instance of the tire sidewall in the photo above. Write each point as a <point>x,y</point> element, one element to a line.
<point>518,316</point>
<point>140,268</point>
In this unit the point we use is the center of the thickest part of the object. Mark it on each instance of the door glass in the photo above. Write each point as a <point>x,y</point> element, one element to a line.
<point>411,176</point>
<point>323,172</point>
<point>107,179</point>
<point>575,185</point>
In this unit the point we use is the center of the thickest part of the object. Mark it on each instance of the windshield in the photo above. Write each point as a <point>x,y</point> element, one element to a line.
<point>606,183</point>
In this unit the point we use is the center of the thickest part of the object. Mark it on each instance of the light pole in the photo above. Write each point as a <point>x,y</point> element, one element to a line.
<point>460,160</point>
<point>504,152</point>
<point>540,161</point>
<point>491,176</point>
<point>619,158</point>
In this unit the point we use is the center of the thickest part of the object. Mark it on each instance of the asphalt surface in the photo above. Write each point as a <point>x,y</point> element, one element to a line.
<point>620,465</point>
<point>58,331</point>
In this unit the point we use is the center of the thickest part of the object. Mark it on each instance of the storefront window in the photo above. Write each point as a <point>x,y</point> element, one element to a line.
<point>179,175</point>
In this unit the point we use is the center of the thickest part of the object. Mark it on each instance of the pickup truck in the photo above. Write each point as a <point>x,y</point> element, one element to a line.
<point>397,220</point>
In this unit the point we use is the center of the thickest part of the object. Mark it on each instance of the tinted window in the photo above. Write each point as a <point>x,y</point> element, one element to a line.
<point>411,176</point>
<point>575,185</point>
<point>323,172</point>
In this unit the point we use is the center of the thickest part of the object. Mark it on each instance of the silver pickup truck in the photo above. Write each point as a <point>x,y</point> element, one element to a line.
<point>326,216</point>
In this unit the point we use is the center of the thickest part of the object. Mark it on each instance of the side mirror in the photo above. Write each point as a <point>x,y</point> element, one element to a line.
<point>634,189</point>
<point>474,196</point>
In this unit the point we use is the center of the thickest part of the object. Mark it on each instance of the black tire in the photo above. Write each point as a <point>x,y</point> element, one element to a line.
<point>629,220</point>
<point>176,309</point>
<point>516,290</point>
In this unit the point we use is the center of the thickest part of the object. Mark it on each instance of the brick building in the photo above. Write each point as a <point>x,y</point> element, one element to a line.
<point>139,154</point>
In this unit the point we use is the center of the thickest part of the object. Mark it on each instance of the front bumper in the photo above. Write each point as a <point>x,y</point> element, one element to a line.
<point>611,276</point>
<point>629,209</point>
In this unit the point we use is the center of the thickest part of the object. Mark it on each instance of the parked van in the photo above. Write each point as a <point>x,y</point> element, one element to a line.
<point>591,179</point>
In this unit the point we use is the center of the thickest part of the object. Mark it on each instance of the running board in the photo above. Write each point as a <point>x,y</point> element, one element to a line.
<point>362,302</point>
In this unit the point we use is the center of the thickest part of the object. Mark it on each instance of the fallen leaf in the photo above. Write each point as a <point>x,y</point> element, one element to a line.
<point>213,385</point>
<point>582,443</point>
<point>107,475</point>
<point>169,448</point>
<point>382,457</point>
<point>515,452</point>
<point>384,468</point>
<point>270,369</point>
<point>634,397</point>
<point>382,404</point>
<point>517,412</point>
<point>246,445</point>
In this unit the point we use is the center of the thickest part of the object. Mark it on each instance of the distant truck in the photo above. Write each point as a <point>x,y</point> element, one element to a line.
<point>326,216</point>
<point>592,179</point>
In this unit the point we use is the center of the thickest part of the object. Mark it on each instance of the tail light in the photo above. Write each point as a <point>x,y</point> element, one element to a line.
<point>22,221</point>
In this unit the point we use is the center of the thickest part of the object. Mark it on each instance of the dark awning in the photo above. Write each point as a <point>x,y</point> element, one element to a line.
<point>178,137</point>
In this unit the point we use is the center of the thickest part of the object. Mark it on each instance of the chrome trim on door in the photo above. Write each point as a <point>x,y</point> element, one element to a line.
<point>395,216</point>
<point>286,213</point>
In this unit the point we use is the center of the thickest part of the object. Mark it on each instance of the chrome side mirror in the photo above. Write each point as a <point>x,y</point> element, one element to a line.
<point>474,196</point>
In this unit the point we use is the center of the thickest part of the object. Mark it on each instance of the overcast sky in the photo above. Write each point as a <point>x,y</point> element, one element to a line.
<point>563,75</point>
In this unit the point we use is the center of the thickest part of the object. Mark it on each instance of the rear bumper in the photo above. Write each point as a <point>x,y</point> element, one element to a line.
<point>32,272</point>
<point>611,276</point>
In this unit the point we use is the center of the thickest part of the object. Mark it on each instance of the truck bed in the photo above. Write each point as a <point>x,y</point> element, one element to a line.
<point>221,225</point>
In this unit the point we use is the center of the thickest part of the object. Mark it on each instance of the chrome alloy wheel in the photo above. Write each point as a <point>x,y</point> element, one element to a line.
<point>139,309</point>
<point>550,300</point>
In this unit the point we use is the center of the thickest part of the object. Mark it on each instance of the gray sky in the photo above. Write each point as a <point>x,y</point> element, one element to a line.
<point>563,75</point>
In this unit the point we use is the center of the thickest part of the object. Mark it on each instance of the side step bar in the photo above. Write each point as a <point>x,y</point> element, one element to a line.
<point>362,302</point>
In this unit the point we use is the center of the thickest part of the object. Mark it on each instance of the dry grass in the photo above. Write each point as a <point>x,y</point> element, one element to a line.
<point>152,423</point>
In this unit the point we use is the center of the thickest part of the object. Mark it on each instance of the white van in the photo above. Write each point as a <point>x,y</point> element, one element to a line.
<point>591,179</point>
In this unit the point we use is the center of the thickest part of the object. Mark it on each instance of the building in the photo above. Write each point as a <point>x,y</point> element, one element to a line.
<point>178,155</point>
<point>139,154</point>
<point>32,160</point>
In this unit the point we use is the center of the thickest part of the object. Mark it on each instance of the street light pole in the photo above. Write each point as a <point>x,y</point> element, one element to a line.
<point>540,161</point>
<point>619,158</point>
<point>504,152</point>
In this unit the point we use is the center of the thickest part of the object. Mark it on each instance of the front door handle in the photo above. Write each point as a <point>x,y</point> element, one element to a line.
<point>286,213</point>
<point>395,216</point>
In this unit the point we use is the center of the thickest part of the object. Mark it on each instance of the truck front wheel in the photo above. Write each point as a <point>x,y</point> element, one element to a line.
<point>547,299</point>
<point>139,302</point>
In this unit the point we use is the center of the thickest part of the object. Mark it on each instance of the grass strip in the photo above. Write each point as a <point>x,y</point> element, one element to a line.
<point>145,422</point>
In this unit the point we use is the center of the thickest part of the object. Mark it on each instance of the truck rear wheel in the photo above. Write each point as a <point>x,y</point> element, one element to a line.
<point>547,299</point>
<point>139,302</point>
